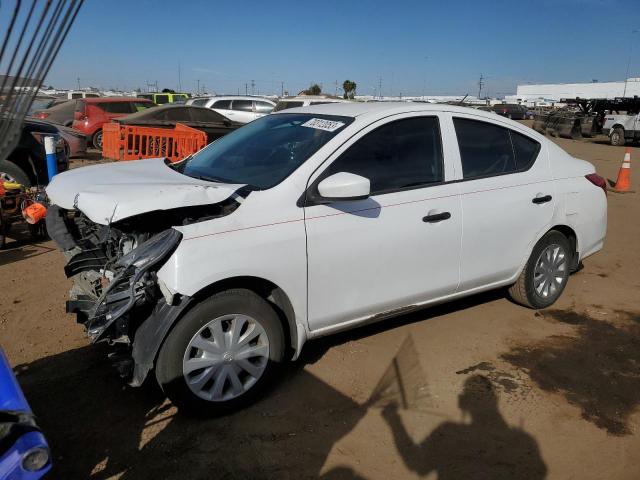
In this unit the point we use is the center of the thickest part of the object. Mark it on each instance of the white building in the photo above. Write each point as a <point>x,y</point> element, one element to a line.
<point>546,94</point>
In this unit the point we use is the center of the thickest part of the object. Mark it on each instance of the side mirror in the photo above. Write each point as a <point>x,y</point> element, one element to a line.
<point>344,186</point>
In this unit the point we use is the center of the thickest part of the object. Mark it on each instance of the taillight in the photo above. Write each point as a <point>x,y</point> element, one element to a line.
<point>42,115</point>
<point>598,181</point>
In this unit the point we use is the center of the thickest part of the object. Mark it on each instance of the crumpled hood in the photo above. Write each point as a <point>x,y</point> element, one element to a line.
<point>113,191</point>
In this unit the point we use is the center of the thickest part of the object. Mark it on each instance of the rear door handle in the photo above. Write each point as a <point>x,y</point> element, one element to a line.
<point>542,199</point>
<point>436,217</point>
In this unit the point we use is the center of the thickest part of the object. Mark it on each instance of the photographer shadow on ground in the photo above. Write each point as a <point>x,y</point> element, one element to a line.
<point>485,448</point>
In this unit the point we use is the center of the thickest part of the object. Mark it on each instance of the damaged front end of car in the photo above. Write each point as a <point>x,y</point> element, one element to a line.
<point>116,290</point>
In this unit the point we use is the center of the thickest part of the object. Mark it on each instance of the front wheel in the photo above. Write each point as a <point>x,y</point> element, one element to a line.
<point>546,273</point>
<point>222,354</point>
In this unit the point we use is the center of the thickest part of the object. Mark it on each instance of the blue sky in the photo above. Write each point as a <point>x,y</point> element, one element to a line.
<point>413,46</point>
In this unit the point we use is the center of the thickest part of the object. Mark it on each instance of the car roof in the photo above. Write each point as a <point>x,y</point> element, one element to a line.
<point>357,109</point>
<point>153,112</point>
<point>240,97</point>
<point>113,99</point>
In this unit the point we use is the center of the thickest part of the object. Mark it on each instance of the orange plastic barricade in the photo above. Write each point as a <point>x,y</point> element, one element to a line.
<point>125,142</point>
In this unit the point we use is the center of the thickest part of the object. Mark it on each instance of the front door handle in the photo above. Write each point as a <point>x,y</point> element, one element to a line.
<point>436,217</point>
<point>542,199</point>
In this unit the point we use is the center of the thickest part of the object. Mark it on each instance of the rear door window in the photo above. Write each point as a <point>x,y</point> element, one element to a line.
<point>179,114</point>
<point>242,105</point>
<point>399,155</point>
<point>487,149</point>
<point>222,104</point>
<point>206,115</point>
<point>162,99</point>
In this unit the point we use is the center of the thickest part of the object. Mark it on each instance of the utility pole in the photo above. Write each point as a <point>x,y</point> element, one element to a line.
<point>179,79</point>
<point>198,91</point>
<point>78,83</point>
<point>253,86</point>
<point>336,92</point>
<point>282,89</point>
<point>480,85</point>
<point>246,88</point>
<point>380,87</point>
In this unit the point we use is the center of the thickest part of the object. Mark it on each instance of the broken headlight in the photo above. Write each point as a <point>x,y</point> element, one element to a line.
<point>151,251</point>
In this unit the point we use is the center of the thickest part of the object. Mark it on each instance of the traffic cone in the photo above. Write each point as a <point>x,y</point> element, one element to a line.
<point>623,184</point>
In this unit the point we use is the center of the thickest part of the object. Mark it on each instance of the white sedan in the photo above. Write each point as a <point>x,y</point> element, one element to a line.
<point>214,270</point>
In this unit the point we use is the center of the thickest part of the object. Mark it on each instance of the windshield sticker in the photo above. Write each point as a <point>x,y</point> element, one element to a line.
<point>321,124</point>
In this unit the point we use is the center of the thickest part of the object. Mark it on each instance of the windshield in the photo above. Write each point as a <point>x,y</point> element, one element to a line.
<point>265,151</point>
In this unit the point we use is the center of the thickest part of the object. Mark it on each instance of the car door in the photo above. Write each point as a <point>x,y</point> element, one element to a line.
<point>400,246</point>
<point>507,199</point>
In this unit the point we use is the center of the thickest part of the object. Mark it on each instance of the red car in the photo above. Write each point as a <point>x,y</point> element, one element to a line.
<point>92,113</point>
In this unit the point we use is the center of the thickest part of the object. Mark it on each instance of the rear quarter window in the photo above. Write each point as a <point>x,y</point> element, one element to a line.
<point>222,105</point>
<point>526,150</point>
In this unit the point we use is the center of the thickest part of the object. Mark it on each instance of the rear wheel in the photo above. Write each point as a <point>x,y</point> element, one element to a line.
<point>222,354</point>
<point>97,140</point>
<point>617,137</point>
<point>546,273</point>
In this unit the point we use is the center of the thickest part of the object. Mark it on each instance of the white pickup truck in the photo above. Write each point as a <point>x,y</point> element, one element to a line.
<point>621,129</point>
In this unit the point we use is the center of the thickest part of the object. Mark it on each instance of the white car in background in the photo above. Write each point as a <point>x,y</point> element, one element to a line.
<point>240,109</point>
<point>215,270</point>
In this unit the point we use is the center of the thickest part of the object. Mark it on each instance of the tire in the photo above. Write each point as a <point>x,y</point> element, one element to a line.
<point>96,140</point>
<point>617,137</point>
<point>524,291</point>
<point>10,172</point>
<point>227,309</point>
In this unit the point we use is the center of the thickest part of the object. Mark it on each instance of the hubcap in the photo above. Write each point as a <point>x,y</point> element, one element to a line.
<point>226,357</point>
<point>550,271</point>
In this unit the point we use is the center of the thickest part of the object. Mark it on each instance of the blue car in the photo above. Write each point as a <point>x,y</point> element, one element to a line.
<point>24,453</point>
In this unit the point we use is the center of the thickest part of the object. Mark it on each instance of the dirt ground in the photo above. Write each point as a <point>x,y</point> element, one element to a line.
<point>480,388</point>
